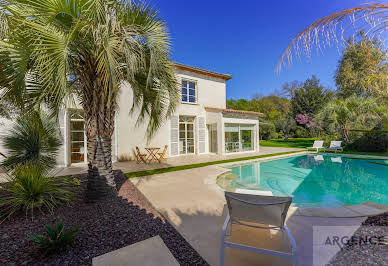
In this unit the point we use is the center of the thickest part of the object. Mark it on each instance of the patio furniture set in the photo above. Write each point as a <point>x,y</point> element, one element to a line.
<point>152,155</point>
<point>334,146</point>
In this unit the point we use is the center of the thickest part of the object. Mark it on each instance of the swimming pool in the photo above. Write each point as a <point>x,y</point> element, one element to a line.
<point>316,180</point>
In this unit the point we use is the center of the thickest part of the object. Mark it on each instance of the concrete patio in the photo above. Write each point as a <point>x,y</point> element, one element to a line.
<point>132,166</point>
<point>192,201</point>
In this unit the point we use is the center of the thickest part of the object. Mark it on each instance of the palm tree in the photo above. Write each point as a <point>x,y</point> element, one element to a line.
<point>54,49</point>
<point>351,113</point>
<point>369,18</point>
<point>34,140</point>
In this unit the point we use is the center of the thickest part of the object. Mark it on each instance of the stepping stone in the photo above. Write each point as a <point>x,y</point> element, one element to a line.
<point>149,252</point>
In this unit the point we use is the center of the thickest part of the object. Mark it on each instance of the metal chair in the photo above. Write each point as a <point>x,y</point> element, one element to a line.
<point>251,210</point>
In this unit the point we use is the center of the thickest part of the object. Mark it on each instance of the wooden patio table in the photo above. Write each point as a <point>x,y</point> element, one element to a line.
<point>152,152</point>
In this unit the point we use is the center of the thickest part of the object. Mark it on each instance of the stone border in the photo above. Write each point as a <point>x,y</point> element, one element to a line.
<point>366,208</point>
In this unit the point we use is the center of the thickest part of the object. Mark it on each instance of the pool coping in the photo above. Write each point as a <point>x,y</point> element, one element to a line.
<point>366,208</point>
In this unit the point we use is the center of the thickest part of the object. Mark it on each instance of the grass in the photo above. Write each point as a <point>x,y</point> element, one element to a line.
<point>197,165</point>
<point>290,143</point>
<point>308,142</point>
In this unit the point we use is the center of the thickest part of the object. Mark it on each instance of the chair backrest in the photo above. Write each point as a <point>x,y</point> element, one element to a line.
<point>165,150</point>
<point>318,144</point>
<point>258,209</point>
<point>335,144</point>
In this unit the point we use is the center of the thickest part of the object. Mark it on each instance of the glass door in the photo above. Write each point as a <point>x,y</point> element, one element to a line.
<point>77,137</point>
<point>186,135</point>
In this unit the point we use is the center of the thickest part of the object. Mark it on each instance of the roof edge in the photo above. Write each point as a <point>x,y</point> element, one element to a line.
<point>202,71</point>
<point>208,108</point>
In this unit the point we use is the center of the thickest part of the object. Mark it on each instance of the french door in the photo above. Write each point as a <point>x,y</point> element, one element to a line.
<point>186,135</point>
<point>77,137</point>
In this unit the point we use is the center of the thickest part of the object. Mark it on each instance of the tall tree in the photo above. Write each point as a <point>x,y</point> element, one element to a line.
<point>362,69</point>
<point>57,48</point>
<point>310,98</point>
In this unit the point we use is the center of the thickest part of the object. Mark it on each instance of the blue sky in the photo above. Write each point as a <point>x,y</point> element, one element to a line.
<point>246,39</point>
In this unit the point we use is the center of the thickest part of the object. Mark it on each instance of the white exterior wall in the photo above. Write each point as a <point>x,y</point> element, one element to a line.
<point>210,92</point>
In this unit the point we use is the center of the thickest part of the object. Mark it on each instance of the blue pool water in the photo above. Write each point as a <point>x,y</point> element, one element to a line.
<point>317,180</point>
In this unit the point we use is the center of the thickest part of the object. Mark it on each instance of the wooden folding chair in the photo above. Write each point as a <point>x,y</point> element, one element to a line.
<point>140,157</point>
<point>162,155</point>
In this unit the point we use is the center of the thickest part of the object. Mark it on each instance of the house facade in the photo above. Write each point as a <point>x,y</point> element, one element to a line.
<point>201,123</point>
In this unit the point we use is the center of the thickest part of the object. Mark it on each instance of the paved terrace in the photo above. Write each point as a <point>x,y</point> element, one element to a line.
<point>132,166</point>
<point>193,202</point>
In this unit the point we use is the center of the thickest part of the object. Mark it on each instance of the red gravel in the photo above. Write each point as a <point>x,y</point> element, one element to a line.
<point>106,226</point>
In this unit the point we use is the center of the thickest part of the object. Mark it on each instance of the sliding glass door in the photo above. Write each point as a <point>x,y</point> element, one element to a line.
<point>239,138</point>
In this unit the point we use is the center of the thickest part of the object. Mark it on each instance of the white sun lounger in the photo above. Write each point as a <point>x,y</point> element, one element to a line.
<point>318,144</point>
<point>256,211</point>
<point>334,146</point>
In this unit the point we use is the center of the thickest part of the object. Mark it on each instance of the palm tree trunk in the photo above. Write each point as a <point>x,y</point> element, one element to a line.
<point>99,111</point>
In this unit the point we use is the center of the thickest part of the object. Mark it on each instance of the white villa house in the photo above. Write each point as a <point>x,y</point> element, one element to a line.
<point>200,125</point>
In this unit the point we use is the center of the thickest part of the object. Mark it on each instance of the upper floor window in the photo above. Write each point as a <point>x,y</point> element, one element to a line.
<point>189,91</point>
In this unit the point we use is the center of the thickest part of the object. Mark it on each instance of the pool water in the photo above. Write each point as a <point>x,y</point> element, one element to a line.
<point>317,180</point>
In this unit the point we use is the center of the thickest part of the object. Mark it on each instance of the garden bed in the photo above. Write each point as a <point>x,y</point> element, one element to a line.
<point>367,254</point>
<point>105,226</point>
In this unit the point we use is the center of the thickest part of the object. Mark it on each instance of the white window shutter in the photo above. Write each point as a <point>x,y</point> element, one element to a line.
<point>174,136</point>
<point>201,135</point>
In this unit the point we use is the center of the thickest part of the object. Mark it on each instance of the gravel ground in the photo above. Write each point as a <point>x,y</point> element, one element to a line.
<point>104,227</point>
<point>366,254</point>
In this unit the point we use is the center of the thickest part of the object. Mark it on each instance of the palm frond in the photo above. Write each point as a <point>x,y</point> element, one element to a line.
<point>370,18</point>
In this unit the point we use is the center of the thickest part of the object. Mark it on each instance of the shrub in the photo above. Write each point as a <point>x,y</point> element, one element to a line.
<point>56,238</point>
<point>32,139</point>
<point>267,130</point>
<point>301,132</point>
<point>370,142</point>
<point>31,189</point>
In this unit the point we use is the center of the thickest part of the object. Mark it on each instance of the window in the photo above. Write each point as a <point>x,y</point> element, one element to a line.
<point>189,91</point>
<point>238,138</point>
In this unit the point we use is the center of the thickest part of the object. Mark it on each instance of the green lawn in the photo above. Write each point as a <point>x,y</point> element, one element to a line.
<point>290,143</point>
<point>307,142</point>
<point>190,166</point>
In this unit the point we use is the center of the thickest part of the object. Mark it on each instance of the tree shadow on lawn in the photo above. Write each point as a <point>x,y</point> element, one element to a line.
<point>105,226</point>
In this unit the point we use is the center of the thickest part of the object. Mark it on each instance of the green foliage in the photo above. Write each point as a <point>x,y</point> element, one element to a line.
<point>286,126</point>
<point>301,132</point>
<point>267,130</point>
<point>273,107</point>
<point>309,98</point>
<point>56,238</point>
<point>33,139</point>
<point>350,113</point>
<point>31,189</point>
<point>369,142</point>
<point>362,69</point>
